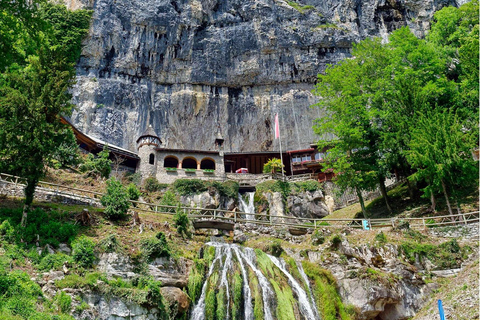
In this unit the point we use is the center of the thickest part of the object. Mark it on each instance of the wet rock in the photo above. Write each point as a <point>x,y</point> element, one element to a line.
<point>239,237</point>
<point>116,266</point>
<point>177,299</point>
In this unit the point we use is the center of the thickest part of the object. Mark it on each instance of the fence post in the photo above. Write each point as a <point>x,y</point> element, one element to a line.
<point>235,216</point>
<point>393,223</point>
<point>464,219</point>
<point>424,224</point>
<point>214,214</point>
<point>156,208</point>
<point>315,224</point>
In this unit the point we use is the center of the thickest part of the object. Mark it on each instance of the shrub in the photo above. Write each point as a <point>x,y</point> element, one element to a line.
<point>317,238</point>
<point>169,199</point>
<point>155,247</point>
<point>151,184</point>
<point>97,166</point>
<point>83,252</point>
<point>53,261</point>
<point>187,187</point>
<point>109,244</point>
<point>7,231</point>
<point>275,248</point>
<point>381,238</point>
<point>309,185</point>
<point>63,302</point>
<point>133,192</point>
<point>182,223</point>
<point>115,200</point>
<point>336,241</point>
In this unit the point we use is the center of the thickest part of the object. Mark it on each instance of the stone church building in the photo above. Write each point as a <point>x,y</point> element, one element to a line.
<point>167,165</point>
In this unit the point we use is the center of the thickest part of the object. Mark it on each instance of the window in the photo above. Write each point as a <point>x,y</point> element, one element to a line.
<point>319,156</point>
<point>170,162</point>
<point>297,159</point>
<point>151,160</point>
<point>189,163</point>
<point>306,158</point>
<point>207,164</point>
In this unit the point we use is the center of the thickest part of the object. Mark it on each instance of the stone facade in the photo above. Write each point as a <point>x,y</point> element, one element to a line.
<point>168,165</point>
<point>167,174</point>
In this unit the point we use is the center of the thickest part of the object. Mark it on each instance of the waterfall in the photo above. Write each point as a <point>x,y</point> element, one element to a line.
<point>231,259</point>
<point>305,307</point>
<point>383,31</point>
<point>307,282</point>
<point>247,207</point>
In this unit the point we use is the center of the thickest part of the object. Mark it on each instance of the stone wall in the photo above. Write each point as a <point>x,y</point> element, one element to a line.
<point>165,176</point>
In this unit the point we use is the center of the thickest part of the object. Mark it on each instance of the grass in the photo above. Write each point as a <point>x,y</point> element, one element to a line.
<point>300,8</point>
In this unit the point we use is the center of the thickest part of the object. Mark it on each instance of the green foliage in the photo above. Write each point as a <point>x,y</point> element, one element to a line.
<point>317,238</point>
<point>275,248</point>
<point>273,166</point>
<point>182,223</point>
<point>67,153</point>
<point>155,247</point>
<point>186,187</point>
<point>83,251</point>
<point>237,295</point>
<point>54,261</point>
<point>151,184</point>
<point>110,244</point>
<point>381,238</point>
<point>273,186</point>
<point>97,166</point>
<point>115,200</point>
<point>169,198</point>
<point>210,299</point>
<point>195,279</point>
<point>35,75</point>
<point>63,302</point>
<point>221,311</point>
<point>68,27</point>
<point>447,255</point>
<point>383,106</point>
<point>325,292</point>
<point>300,8</point>
<point>336,241</point>
<point>133,192</point>
<point>47,225</point>
<point>309,185</point>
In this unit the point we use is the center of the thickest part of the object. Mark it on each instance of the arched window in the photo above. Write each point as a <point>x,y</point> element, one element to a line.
<point>189,163</point>
<point>170,162</point>
<point>151,159</point>
<point>207,164</point>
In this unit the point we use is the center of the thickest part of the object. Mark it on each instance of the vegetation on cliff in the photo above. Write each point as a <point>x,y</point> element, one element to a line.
<point>409,105</point>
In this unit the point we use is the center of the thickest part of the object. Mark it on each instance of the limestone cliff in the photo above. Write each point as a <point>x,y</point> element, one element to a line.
<point>191,68</point>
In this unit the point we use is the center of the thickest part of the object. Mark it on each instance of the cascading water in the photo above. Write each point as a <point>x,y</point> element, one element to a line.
<point>247,207</point>
<point>256,274</point>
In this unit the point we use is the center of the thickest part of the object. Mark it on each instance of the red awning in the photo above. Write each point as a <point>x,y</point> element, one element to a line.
<point>241,170</point>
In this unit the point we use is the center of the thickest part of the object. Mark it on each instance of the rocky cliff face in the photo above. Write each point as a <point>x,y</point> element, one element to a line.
<point>191,68</point>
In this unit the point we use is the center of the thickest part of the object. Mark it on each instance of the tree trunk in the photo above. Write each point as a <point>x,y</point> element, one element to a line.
<point>383,190</point>
<point>446,197</point>
<point>433,201</point>
<point>362,204</point>
<point>410,190</point>
<point>29,193</point>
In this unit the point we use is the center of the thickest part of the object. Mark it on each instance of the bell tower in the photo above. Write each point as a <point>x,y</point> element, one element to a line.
<point>147,144</point>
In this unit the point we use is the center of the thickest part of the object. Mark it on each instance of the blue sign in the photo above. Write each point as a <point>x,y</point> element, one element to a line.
<point>440,309</point>
<point>366,225</point>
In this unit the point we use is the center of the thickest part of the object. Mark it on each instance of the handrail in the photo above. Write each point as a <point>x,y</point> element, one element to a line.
<point>236,216</point>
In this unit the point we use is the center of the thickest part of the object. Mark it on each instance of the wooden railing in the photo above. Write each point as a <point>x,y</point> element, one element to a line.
<point>257,218</point>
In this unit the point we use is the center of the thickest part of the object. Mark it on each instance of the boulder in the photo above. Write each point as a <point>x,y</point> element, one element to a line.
<point>176,298</point>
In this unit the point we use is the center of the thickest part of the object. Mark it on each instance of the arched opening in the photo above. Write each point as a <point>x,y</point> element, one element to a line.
<point>189,163</point>
<point>207,164</point>
<point>170,162</point>
<point>151,159</point>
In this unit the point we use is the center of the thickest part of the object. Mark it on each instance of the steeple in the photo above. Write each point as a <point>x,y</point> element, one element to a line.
<point>149,137</point>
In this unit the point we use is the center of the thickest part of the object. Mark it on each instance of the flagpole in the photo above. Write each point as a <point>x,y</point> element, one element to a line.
<point>281,154</point>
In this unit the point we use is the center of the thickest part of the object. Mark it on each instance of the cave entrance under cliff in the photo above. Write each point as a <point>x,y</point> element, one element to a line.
<point>170,162</point>
<point>207,164</point>
<point>189,163</point>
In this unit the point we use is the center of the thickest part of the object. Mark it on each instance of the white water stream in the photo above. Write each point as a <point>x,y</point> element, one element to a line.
<point>247,207</point>
<point>225,255</point>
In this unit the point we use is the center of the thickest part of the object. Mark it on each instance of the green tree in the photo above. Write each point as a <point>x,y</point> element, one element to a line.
<point>99,165</point>
<point>35,75</point>
<point>273,166</point>
<point>440,150</point>
<point>115,200</point>
<point>182,223</point>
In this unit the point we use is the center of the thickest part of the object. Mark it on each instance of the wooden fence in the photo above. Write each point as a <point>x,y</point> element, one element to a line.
<point>256,218</point>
